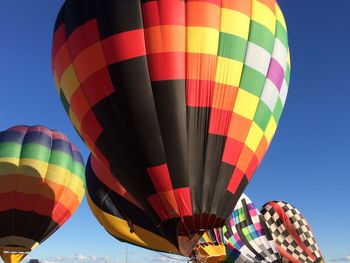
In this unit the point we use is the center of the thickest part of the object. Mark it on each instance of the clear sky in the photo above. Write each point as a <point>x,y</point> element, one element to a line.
<point>308,163</point>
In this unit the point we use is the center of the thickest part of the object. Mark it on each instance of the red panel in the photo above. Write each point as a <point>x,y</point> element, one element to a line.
<point>79,105</point>
<point>90,127</point>
<point>183,199</point>
<point>232,151</point>
<point>199,93</point>
<point>62,61</point>
<point>32,203</point>
<point>215,2</point>
<point>160,177</point>
<point>241,6</point>
<point>166,12</point>
<point>97,87</point>
<point>235,180</point>
<point>41,129</point>
<point>59,38</point>
<point>60,136</point>
<point>270,4</point>
<point>219,122</point>
<point>166,66</point>
<point>61,214</point>
<point>84,36</point>
<point>252,167</point>
<point>123,46</point>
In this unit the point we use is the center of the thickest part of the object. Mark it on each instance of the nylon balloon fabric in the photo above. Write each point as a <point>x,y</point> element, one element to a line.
<point>41,186</point>
<point>179,99</point>
<point>291,233</point>
<point>119,213</point>
<point>245,235</point>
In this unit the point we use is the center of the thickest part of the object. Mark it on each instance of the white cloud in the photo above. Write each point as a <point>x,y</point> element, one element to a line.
<point>341,259</point>
<point>78,258</point>
<point>162,257</point>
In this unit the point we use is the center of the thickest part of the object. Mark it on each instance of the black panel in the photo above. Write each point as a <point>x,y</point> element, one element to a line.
<point>26,224</point>
<point>170,101</point>
<point>77,13</point>
<point>116,16</point>
<point>114,204</point>
<point>212,168</point>
<point>197,127</point>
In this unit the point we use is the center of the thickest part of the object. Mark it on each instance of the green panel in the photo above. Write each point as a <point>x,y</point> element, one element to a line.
<point>252,81</point>
<point>35,151</point>
<point>261,36</point>
<point>281,34</point>
<point>262,115</point>
<point>64,101</point>
<point>231,46</point>
<point>79,170</point>
<point>61,159</point>
<point>287,74</point>
<point>10,149</point>
<point>277,111</point>
<point>247,234</point>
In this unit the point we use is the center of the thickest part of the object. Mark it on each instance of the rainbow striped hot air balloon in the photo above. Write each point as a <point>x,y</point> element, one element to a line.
<point>41,186</point>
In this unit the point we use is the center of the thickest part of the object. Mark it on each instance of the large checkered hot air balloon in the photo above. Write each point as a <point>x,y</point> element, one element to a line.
<point>291,232</point>
<point>41,186</point>
<point>179,99</point>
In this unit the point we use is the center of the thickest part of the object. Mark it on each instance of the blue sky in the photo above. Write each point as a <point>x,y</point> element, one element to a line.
<point>306,165</point>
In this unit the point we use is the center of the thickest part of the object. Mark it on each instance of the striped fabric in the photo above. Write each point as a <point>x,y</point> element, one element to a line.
<point>291,233</point>
<point>245,236</point>
<point>41,186</point>
<point>179,99</point>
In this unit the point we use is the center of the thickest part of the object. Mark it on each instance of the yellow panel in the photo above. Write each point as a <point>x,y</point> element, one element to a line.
<point>57,84</point>
<point>33,167</point>
<point>288,58</point>
<point>263,15</point>
<point>254,137</point>
<point>228,71</point>
<point>120,228</point>
<point>75,120</point>
<point>202,40</point>
<point>234,22</point>
<point>270,129</point>
<point>12,257</point>
<point>246,104</point>
<point>280,17</point>
<point>69,82</point>
<point>7,163</point>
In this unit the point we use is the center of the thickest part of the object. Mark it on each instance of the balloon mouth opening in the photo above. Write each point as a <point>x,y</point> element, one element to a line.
<point>15,250</point>
<point>198,224</point>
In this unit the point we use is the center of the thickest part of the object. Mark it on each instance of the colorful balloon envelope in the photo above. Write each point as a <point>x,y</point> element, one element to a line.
<point>41,186</point>
<point>246,236</point>
<point>291,233</point>
<point>119,213</point>
<point>179,99</point>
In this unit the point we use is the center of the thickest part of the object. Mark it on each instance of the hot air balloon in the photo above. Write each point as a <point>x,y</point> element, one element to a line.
<point>291,233</point>
<point>41,186</point>
<point>245,236</point>
<point>119,213</point>
<point>179,99</point>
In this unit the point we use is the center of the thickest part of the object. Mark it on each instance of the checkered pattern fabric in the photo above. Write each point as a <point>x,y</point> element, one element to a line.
<point>291,232</point>
<point>246,232</point>
<point>180,99</point>
<point>245,236</point>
